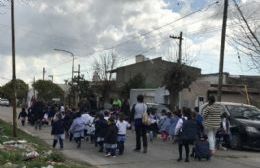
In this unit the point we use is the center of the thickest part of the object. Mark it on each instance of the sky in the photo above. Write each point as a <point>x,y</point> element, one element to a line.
<point>90,28</point>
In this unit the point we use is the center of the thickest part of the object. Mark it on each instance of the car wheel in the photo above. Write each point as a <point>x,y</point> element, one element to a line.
<point>235,142</point>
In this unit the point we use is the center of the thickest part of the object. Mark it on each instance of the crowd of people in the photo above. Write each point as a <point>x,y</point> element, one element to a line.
<point>107,129</point>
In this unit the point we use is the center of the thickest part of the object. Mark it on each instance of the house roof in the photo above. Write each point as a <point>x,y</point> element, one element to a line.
<point>233,89</point>
<point>150,60</point>
<point>214,74</point>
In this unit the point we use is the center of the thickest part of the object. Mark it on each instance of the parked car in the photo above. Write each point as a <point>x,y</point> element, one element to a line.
<point>4,102</point>
<point>157,108</point>
<point>244,124</point>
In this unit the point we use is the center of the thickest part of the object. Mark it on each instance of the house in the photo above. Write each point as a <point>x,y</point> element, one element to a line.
<point>234,89</point>
<point>158,95</point>
<point>153,70</point>
<point>207,84</point>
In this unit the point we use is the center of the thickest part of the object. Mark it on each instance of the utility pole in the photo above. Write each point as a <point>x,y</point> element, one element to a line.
<point>179,61</point>
<point>14,71</point>
<point>180,46</point>
<point>43,73</point>
<point>33,87</point>
<point>78,88</point>
<point>222,50</point>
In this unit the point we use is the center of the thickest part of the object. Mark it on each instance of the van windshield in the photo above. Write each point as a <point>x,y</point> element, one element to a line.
<point>244,112</point>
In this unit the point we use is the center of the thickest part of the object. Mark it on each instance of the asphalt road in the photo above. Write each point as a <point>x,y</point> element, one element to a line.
<point>160,154</point>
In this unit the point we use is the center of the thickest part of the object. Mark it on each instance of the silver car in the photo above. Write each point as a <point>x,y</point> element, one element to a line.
<point>4,102</point>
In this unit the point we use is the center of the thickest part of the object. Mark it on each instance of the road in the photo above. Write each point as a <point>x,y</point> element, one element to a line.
<point>160,154</point>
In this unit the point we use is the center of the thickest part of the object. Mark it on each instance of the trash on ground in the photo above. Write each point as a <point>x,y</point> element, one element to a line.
<point>31,155</point>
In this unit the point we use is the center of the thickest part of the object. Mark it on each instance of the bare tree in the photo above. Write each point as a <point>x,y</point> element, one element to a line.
<point>103,64</point>
<point>246,38</point>
<point>102,67</point>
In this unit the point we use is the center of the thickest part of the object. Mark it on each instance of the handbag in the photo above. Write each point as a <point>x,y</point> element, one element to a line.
<point>145,119</point>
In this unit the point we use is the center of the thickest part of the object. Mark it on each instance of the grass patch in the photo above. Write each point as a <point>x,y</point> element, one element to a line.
<point>16,156</point>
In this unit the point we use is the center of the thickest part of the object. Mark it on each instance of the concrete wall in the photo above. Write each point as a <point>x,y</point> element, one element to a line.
<point>148,94</point>
<point>213,79</point>
<point>190,95</point>
<point>158,95</point>
<point>153,71</point>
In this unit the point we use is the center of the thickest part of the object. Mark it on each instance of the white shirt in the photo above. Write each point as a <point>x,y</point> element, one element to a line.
<point>140,108</point>
<point>62,109</point>
<point>179,125</point>
<point>122,127</point>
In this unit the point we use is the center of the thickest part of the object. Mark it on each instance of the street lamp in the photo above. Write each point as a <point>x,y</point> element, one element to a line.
<point>73,57</point>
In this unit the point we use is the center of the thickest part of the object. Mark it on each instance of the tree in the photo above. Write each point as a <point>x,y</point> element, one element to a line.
<point>22,90</point>
<point>102,67</point>
<point>176,79</point>
<point>138,81</point>
<point>80,88</point>
<point>246,38</point>
<point>48,90</point>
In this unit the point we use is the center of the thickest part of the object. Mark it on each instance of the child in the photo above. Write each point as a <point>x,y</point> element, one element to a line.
<point>111,138</point>
<point>153,128</point>
<point>58,131</point>
<point>23,116</point>
<point>166,127</point>
<point>223,133</point>
<point>175,119</point>
<point>77,129</point>
<point>45,119</point>
<point>122,126</point>
<point>106,115</point>
<point>101,129</point>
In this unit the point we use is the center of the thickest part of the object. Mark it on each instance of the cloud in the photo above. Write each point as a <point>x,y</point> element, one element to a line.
<point>87,26</point>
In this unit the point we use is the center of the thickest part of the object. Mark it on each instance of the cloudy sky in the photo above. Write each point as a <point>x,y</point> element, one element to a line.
<point>90,28</point>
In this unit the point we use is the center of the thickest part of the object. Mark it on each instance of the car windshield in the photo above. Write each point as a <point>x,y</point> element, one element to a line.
<point>244,112</point>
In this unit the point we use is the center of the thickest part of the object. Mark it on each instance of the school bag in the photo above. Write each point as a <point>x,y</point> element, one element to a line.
<point>201,150</point>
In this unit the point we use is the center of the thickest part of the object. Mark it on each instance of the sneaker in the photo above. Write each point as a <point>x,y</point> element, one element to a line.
<point>114,156</point>
<point>145,150</point>
<point>137,150</point>
<point>78,145</point>
<point>179,159</point>
<point>187,160</point>
<point>108,154</point>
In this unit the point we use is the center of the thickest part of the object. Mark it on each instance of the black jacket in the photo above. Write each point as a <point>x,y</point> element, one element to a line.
<point>101,128</point>
<point>111,135</point>
<point>57,127</point>
<point>189,130</point>
<point>22,114</point>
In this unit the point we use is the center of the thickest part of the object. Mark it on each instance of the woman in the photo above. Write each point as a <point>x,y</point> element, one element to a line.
<point>186,130</point>
<point>212,119</point>
<point>138,111</point>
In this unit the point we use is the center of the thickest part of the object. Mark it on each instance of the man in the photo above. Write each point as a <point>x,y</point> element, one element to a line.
<point>138,110</point>
<point>212,119</point>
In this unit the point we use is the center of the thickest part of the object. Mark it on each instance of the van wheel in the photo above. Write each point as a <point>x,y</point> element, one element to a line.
<point>236,142</point>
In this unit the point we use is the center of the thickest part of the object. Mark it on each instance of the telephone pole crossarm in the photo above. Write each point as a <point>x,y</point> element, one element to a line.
<point>180,46</point>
